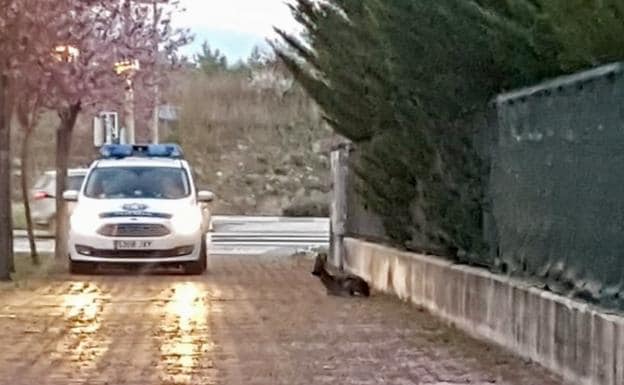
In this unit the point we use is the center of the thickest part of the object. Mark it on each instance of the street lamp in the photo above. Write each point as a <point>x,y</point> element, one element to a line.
<point>124,66</point>
<point>154,3</point>
<point>127,68</point>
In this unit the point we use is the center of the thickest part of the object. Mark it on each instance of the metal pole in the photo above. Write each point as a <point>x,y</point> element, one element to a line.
<point>129,111</point>
<point>155,133</point>
<point>129,92</point>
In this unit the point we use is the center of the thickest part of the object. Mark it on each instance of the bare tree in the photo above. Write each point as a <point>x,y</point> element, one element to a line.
<point>8,45</point>
<point>6,235</point>
<point>28,110</point>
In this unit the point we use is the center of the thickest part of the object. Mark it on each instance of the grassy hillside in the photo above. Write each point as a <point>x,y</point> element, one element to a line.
<point>260,151</point>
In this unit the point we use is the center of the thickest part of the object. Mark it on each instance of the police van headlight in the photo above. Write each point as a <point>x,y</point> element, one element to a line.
<point>83,222</point>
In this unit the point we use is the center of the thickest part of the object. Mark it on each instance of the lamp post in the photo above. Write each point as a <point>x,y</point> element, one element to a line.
<point>155,131</point>
<point>154,126</point>
<point>127,68</point>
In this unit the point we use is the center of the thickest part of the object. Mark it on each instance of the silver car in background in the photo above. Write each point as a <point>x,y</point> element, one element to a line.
<point>43,203</point>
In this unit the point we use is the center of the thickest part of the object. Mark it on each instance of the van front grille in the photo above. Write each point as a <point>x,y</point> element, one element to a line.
<point>139,230</point>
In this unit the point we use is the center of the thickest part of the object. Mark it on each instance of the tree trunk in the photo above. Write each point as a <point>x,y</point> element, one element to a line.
<point>63,145</point>
<point>24,182</point>
<point>6,227</point>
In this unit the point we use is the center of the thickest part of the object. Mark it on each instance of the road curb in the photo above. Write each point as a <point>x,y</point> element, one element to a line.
<point>24,234</point>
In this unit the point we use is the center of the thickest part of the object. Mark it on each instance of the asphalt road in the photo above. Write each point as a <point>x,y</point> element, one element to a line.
<point>244,235</point>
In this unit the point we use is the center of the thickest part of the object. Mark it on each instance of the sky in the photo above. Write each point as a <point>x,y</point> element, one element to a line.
<point>234,26</point>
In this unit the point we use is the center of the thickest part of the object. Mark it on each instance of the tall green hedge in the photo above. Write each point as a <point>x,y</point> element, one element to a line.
<point>405,79</point>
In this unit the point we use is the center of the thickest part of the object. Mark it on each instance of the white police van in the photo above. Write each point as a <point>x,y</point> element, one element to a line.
<point>138,205</point>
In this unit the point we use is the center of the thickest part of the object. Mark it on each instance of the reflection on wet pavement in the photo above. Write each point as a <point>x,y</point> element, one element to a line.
<point>245,322</point>
<point>83,306</point>
<point>185,333</point>
<point>82,303</point>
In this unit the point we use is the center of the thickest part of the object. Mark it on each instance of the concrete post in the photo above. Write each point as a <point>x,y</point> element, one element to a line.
<point>338,207</point>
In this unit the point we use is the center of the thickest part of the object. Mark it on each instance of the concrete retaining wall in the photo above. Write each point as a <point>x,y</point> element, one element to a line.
<point>571,338</point>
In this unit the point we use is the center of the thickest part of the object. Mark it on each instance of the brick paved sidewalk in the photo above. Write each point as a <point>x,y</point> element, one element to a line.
<point>245,322</point>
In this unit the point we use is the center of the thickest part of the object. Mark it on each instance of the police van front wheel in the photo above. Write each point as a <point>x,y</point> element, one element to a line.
<point>198,267</point>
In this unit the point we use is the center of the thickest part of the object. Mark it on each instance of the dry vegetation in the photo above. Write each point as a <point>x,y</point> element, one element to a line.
<point>261,152</point>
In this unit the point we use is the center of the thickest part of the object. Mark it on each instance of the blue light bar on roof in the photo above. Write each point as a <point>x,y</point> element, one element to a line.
<point>169,150</point>
<point>118,151</point>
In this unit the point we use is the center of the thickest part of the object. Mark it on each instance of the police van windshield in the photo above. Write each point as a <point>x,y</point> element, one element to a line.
<point>138,182</point>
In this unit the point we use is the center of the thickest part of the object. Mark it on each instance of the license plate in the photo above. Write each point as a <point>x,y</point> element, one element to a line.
<point>132,245</point>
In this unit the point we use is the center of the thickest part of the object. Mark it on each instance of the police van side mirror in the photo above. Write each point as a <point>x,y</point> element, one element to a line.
<point>70,196</point>
<point>205,196</point>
